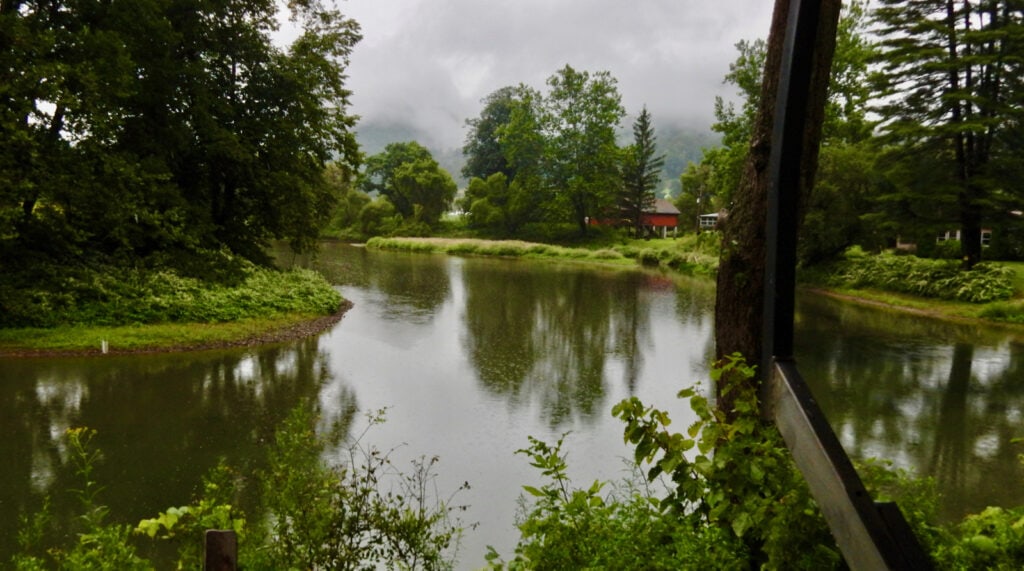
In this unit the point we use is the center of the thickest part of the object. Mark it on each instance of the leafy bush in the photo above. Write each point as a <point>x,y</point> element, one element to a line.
<point>940,279</point>
<point>127,296</point>
<point>97,544</point>
<point>993,539</point>
<point>580,528</point>
<point>361,514</point>
<point>648,257</point>
<point>741,480</point>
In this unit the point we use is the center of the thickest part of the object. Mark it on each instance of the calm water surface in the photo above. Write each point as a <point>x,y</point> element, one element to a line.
<point>470,356</point>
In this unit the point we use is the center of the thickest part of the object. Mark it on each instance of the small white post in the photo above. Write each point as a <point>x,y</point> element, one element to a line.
<point>104,346</point>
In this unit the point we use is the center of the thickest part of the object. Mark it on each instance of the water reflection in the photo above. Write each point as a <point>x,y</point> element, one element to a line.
<point>941,398</point>
<point>412,285</point>
<point>162,421</point>
<point>473,355</point>
<point>551,336</point>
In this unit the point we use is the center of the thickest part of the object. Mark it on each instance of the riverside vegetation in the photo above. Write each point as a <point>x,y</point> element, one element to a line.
<point>71,308</point>
<point>723,494</point>
<point>991,291</point>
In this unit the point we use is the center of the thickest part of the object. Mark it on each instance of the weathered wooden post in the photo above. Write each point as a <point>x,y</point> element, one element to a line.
<point>221,552</point>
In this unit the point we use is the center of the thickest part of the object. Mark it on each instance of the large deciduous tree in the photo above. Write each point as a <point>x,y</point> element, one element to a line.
<point>582,112</point>
<point>641,171</point>
<point>409,177</point>
<point>951,74</point>
<point>168,125</point>
<point>483,149</point>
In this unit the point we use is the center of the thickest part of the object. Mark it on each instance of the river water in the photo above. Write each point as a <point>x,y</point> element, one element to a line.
<point>470,357</point>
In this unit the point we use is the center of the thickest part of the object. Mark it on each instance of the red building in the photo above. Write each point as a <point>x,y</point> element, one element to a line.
<point>656,220</point>
<point>662,217</point>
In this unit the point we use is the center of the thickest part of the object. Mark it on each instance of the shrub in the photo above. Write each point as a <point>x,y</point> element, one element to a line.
<point>363,513</point>
<point>940,279</point>
<point>648,257</point>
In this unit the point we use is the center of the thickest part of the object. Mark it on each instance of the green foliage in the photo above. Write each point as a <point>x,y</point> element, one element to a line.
<point>940,279</point>
<point>116,296</point>
<point>364,513</point>
<point>494,204</point>
<point>731,470</point>
<point>187,525</point>
<point>484,150</point>
<point>359,514</point>
<point>946,72</point>
<point>411,180</point>
<point>143,128</point>
<point>993,539</point>
<point>96,544</point>
<point>1009,311</point>
<point>641,172</point>
<point>584,528</point>
<point>581,113</point>
<point>918,499</point>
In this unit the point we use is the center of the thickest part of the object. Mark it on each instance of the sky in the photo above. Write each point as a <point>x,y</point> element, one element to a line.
<point>428,63</point>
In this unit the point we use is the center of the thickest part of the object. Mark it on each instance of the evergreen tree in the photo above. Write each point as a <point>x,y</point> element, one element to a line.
<point>950,83</point>
<point>641,171</point>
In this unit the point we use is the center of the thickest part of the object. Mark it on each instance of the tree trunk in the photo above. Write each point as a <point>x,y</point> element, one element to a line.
<point>739,307</point>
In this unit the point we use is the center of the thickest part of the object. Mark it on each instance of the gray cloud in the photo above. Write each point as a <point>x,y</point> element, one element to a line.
<point>429,62</point>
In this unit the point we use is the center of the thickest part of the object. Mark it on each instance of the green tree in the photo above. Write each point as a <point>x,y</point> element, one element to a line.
<point>581,114</point>
<point>736,125</point>
<point>483,149</point>
<point>950,91</point>
<point>407,175</point>
<point>497,205</point>
<point>696,196</point>
<point>641,171</point>
<point>148,127</point>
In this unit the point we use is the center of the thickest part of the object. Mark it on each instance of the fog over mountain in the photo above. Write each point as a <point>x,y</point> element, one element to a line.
<point>425,65</point>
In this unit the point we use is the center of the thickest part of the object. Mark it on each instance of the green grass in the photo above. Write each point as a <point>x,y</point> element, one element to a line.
<point>690,254</point>
<point>1018,276</point>
<point>143,337</point>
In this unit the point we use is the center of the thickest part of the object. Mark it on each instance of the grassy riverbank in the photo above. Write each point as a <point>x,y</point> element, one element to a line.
<point>125,310</point>
<point>694,255</point>
<point>995,294</point>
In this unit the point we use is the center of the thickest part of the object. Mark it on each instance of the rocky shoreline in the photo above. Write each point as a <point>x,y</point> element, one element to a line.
<point>289,333</point>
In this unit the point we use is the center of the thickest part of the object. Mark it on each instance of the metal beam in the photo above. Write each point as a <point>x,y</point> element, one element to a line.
<point>870,536</point>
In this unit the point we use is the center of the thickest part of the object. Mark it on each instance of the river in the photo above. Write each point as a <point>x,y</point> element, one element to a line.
<point>471,356</point>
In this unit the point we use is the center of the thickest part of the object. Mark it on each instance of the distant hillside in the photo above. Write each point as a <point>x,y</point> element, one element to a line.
<point>679,144</point>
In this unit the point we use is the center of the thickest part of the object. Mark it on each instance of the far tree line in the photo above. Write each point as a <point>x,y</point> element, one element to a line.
<point>148,134</point>
<point>920,148</point>
<point>531,157</point>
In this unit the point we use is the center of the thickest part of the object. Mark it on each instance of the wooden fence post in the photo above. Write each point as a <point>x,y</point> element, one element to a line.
<point>221,552</point>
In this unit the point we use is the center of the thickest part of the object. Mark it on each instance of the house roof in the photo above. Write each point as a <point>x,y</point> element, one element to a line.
<point>662,206</point>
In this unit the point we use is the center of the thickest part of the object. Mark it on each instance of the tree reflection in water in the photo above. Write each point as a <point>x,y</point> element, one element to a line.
<point>548,337</point>
<point>943,399</point>
<point>162,421</point>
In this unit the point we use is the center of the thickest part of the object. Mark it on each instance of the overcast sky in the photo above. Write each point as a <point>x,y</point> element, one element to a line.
<point>430,62</point>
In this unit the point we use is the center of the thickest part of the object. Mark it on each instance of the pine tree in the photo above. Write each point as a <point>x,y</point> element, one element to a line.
<point>951,73</point>
<point>641,172</point>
